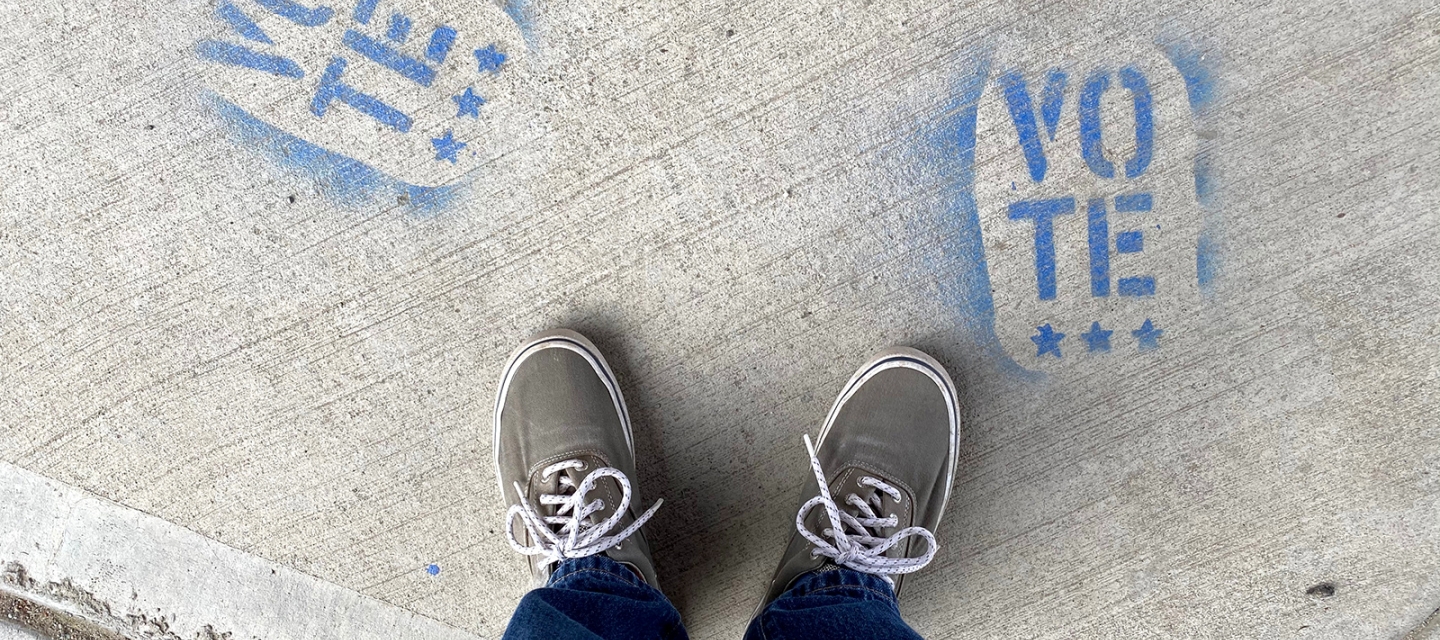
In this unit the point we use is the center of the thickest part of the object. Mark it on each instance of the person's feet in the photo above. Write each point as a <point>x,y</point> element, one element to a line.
<point>884,462</point>
<point>566,459</point>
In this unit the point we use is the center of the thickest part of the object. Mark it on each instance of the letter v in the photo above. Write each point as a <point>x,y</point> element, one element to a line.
<point>1022,113</point>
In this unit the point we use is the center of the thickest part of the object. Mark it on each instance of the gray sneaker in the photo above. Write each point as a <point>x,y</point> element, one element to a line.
<point>884,463</point>
<point>566,459</point>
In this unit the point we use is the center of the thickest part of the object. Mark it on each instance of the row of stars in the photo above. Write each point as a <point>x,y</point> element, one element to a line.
<point>446,146</point>
<point>1097,339</point>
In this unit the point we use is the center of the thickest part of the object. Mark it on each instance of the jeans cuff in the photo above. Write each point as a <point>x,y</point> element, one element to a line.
<point>837,578</point>
<point>593,564</point>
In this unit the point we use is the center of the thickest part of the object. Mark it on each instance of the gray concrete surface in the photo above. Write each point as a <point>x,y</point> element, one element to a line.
<point>83,568</point>
<point>739,201</point>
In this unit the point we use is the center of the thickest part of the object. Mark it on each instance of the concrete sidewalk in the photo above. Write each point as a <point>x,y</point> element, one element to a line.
<point>264,295</point>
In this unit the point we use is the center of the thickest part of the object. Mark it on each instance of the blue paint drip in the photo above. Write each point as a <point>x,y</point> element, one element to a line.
<point>238,56</point>
<point>1132,79</point>
<point>342,180</point>
<point>1129,242</point>
<point>441,40</point>
<point>402,64</point>
<point>433,569</point>
<point>241,23</point>
<point>331,89</point>
<point>1022,113</point>
<point>365,10</point>
<point>949,148</point>
<point>522,13</point>
<point>1137,286</point>
<point>1091,144</point>
<point>1043,213</point>
<point>298,13</point>
<point>399,28</point>
<point>1099,239</point>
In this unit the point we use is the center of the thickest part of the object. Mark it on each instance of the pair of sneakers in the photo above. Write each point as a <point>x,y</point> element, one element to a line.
<point>882,464</point>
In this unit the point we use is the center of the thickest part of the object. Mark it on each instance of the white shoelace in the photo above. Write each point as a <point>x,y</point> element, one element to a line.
<point>577,537</point>
<point>860,550</point>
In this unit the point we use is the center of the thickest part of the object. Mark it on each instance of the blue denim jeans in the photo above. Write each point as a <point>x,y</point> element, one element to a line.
<point>596,597</point>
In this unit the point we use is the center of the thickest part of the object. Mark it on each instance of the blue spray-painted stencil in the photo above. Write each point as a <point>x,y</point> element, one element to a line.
<point>400,45</point>
<point>1047,340</point>
<point>447,147</point>
<point>1121,202</point>
<point>1042,213</point>
<point>489,60</point>
<point>469,103</point>
<point>1147,336</point>
<point>1097,339</point>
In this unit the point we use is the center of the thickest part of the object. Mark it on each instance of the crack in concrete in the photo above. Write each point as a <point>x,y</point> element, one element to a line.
<point>64,611</point>
<point>1428,630</point>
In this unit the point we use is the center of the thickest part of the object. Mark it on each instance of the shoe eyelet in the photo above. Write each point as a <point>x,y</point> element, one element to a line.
<point>583,466</point>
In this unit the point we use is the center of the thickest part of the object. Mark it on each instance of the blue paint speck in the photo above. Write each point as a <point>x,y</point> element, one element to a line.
<point>433,569</point>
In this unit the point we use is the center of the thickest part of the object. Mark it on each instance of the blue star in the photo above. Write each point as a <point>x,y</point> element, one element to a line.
<point>1097,338</point>
<point>1047,341</point>
<point>1148,336</point>
<point>469,103</point>
<point>490,59</point>
<point>447,147</point>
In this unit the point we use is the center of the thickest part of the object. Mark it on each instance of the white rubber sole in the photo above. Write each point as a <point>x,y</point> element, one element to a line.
<point>558,339</point>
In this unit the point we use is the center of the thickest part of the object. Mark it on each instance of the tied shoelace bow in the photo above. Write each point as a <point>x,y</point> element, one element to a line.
<point>576,536</point>
<point>860,550</point>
